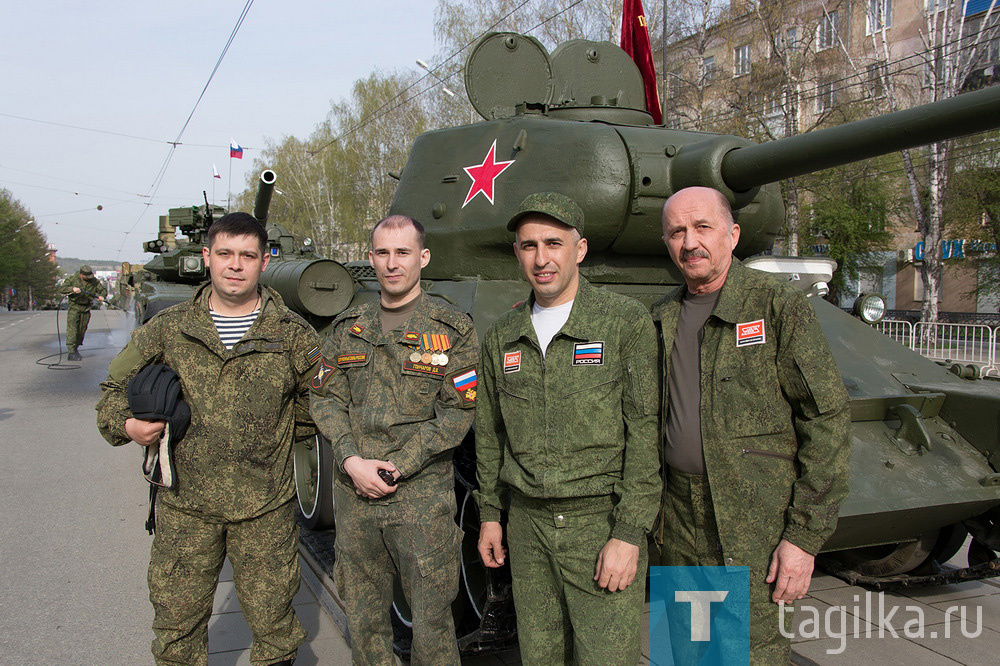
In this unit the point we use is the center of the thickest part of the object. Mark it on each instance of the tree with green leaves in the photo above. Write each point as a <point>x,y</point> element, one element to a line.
<point>25,267</point>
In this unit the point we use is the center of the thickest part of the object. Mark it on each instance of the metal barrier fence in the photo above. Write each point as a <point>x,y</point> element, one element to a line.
<point>968,343</point>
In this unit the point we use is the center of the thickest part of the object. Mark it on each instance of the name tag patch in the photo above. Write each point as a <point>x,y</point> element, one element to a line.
<point>348,359</point>
<point>750,333</point>
<point>588,353</point>
<point>425,368</point>
<point>511,362</point>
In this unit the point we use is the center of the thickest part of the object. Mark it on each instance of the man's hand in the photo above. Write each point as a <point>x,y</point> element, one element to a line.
<point>144,433</point>
<point>792,568</point>
<point>491,549</point>
<point>76,290</point>
<point>616,565</point>
<point>364,474</point>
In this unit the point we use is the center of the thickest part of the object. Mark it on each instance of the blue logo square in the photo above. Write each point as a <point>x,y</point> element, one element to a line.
<point>699,615</point>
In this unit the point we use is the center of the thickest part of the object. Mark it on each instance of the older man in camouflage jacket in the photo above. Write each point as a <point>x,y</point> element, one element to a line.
<point>566,439</point>
<point>756,418</point>
<point>245,364</point>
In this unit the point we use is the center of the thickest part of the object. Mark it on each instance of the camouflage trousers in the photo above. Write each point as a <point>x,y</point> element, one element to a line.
<point>187,555</point>
<point>563,617</point>
<point>691,538</point>
<point>77,320</point>
<point>415,540</point>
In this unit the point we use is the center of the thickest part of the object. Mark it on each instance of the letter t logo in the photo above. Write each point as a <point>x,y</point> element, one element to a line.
<point>701,605</point>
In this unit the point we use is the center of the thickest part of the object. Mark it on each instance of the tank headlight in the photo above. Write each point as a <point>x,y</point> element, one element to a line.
<point>192,266</point>
<point>870,308</point>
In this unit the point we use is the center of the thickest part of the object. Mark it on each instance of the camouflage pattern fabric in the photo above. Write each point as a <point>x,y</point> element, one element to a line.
<point>775,416</point>
<point>691,538</point>
<point>80,305</point>
<point>90,289</point>
<point>233,466</point>
<point>370,399</point>
<point>563,617</point>
<point>188,553</point>
<point>553,204</point>
<point>77,320</point>
<point>416,540</point>
<point>247,404</point>
<point>581,424</point>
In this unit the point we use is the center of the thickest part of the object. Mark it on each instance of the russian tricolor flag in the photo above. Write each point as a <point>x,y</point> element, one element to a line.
<point>465,380</point>
<point>235,150</point>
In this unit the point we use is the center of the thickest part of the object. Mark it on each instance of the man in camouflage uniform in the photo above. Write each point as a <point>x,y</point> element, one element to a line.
<point>83,289</point>
<point>234,494</point>
<point>566,440</point>
<point>394,396</point>
<point>756,418</point>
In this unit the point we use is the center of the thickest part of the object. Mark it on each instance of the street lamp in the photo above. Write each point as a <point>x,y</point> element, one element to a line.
<point>444,86</point>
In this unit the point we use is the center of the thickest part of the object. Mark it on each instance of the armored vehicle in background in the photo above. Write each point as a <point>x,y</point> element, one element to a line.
<point>925,441</point>
<point>316,288</point>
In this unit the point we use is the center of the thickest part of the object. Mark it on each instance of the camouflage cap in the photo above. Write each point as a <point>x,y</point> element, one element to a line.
<point>86,270</point>
<point>553,204</point>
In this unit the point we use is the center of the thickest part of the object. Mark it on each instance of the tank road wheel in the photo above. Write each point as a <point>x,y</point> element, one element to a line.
<point>891,559</point>
<point>313,460</point>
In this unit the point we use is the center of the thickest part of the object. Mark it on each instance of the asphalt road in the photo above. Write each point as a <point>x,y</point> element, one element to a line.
<point>73,551</point>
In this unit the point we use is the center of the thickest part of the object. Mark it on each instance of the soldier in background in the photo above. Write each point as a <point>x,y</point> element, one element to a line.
<point>566,431</point>
<point>83,289</point>
<point>757,466</point>
<point>245,363</point>
<point>394,396</point>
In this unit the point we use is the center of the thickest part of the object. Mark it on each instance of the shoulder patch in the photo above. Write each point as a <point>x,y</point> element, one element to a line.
<point>323,374</point>
<point>465,383</point>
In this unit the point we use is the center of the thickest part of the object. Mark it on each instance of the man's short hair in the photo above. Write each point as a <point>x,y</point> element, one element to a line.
<point>721,203</point>
<point>239,224</point>
<point>398,222</point>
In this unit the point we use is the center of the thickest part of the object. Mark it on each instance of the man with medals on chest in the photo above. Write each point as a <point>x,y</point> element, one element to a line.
<point>394,395</point>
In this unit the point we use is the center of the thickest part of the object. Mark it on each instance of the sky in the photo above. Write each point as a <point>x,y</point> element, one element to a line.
<point>137,68</point>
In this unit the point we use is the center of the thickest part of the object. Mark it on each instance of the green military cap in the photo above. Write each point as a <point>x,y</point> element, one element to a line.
<point>553,204</point>
<point>86,270</point>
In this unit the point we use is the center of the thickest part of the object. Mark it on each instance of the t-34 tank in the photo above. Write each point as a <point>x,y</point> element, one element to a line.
<point>925,441</point>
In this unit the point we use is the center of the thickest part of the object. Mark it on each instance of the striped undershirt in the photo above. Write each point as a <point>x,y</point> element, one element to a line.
<point>232,329</point>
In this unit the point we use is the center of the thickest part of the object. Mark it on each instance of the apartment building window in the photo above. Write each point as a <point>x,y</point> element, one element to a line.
<point>708,68</point>
<point>773,104</point>
<point>826,96</point>
<point>792,38</point>
<point>829,27</point>
<point>741,60</point>
<point>879,16</point>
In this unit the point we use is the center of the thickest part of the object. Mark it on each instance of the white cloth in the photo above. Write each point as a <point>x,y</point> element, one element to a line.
<point>548,321</point>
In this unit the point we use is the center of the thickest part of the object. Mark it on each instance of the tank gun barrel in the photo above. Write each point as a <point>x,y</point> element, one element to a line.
<point>264,190</point>
<point>969,113</point>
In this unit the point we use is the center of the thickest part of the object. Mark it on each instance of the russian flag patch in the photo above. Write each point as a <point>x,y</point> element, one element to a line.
<point>466,380</point>
<point>588,353</point>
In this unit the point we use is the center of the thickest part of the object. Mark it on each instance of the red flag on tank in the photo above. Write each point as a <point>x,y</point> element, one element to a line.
<point>635,42</point>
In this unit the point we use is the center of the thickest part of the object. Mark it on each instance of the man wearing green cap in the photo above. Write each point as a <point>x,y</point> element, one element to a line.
<point>83,289</point>
<point>566,441</point>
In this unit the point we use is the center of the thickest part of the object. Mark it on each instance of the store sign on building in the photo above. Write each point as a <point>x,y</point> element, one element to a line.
<point>956,249</point>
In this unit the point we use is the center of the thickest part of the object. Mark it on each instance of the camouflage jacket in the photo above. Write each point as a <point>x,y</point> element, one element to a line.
<point>247,404</point>
<point>89,291</point>
<point>370,400</point>
<point>579,423</point>
<point>775,415</point>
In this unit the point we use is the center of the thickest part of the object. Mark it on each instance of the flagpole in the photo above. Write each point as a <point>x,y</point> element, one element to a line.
<point>229,185</point>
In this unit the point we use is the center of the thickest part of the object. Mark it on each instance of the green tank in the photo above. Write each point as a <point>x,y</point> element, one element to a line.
<point>926,436</point>
<point>317,288</point>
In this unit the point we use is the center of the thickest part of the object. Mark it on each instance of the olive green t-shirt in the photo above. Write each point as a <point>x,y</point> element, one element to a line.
<point>682,448</point>
<point>393,318</point>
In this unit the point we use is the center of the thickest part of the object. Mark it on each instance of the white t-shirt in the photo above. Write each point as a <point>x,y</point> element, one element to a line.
<point>548,321</point>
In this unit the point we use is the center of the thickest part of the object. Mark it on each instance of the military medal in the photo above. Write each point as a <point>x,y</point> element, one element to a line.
<point>412,339</point>
<point>443,358</point>
<point>415,357</point>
